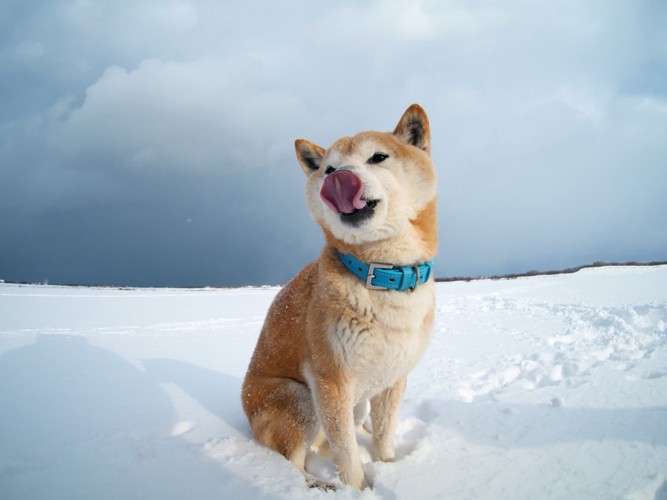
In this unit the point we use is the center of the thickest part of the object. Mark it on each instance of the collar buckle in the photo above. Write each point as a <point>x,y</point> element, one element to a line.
<point>371,274</point>
<point>417,278</point>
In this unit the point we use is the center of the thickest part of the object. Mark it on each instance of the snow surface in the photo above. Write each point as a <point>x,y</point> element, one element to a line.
<point>543,387</point>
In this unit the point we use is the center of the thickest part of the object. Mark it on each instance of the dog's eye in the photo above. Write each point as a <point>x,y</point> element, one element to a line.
<point>377,158</point>
<point>329,170</point>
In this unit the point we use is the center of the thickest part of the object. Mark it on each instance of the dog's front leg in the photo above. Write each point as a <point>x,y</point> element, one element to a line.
<point>384,415</point>
<point>335,411</point>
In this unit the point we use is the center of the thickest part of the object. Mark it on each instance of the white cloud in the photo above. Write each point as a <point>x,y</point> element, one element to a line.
<point>374,24</point>
<point>197,115</point>
<point>652,104</point>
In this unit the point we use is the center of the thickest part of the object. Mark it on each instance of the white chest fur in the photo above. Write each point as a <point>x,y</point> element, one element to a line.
<point>381,335</point>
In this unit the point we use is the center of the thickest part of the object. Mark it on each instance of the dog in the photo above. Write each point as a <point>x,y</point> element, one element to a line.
<point>350,326</point>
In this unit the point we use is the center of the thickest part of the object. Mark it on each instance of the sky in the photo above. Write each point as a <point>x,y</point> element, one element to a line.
<point>150,143</point>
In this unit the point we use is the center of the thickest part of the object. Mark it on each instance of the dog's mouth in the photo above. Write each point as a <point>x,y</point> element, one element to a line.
<point>342,192</point>
<point>358,216</point>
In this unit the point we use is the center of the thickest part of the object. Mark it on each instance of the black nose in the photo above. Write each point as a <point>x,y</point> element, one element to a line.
<point>329,170</point>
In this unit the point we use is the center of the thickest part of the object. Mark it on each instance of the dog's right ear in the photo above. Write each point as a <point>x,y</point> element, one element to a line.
<point>309,155</point>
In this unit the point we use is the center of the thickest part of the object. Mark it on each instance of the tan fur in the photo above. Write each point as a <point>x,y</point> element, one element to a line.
<point>329,344</point>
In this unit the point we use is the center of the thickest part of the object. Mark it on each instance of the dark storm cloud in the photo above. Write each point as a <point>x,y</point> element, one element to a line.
<point>151,143</point>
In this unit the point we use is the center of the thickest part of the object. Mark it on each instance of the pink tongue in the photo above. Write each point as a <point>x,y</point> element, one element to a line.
<point>341,191</point>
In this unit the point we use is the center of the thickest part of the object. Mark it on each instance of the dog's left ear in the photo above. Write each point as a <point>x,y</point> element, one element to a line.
<point>309,155</point>
<point>414,129</point>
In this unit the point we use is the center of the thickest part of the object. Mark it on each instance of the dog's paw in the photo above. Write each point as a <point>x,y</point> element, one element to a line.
<point>354,476</point>
<point>383,451</point>
<point>384,457</point>
<point>320,484</point>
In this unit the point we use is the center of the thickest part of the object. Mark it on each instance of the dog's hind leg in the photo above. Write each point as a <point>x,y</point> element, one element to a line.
<point>361,412</point>
<point>282,417</point>
<point>281,414</point>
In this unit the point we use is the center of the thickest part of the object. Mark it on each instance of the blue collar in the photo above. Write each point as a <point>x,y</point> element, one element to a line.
<point>386,276</point>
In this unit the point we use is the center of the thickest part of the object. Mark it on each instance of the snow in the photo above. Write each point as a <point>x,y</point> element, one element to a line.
<point>541,387</point>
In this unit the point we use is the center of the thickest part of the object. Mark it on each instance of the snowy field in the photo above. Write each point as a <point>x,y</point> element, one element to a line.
<point>543,387</point>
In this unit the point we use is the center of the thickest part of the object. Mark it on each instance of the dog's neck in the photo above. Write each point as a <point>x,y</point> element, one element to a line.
<point>415,248</point>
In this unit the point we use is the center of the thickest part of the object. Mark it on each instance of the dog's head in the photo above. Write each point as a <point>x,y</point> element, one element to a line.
<point>368,187</point>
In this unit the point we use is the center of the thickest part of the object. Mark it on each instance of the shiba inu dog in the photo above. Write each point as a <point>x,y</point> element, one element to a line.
<point>350,326</point>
